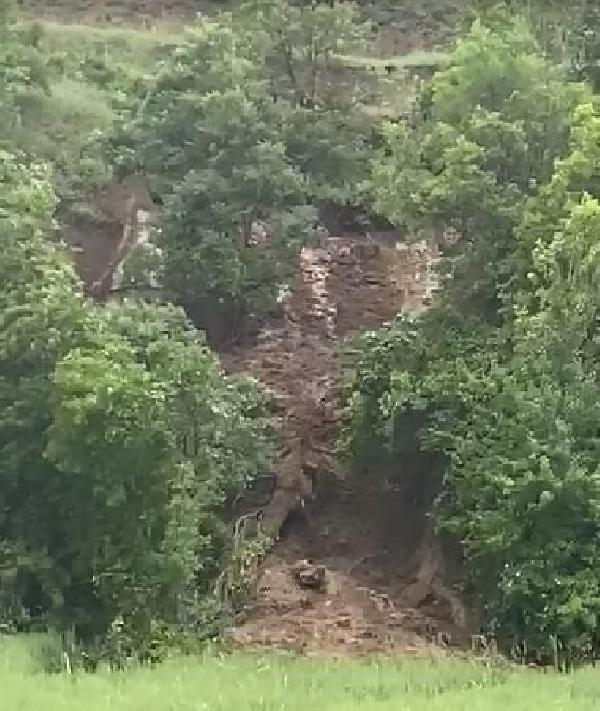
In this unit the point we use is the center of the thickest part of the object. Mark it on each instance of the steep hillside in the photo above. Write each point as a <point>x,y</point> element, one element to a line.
<point>383,578</point>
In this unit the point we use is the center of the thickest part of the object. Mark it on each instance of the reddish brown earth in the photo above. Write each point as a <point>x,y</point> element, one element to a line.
<point>385,588</point>
<point>366,539</point>
<point>100,241</point>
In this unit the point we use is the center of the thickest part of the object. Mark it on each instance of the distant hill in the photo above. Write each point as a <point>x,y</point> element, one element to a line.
<point>404,24</point>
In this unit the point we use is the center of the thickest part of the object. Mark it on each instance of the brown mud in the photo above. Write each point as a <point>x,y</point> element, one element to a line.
<point>385,586</point>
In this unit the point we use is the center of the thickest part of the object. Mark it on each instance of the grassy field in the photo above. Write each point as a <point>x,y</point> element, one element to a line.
<point>87,68</point>
<point>280,683</point>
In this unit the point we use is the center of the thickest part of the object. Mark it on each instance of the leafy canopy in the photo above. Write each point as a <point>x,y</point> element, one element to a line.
<point>208,137</point>
<point>120,443</point>
<point>248,125</point>
<point>499,376</point>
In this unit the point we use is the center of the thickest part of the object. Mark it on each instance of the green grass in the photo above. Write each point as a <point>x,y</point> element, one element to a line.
<point>126,49</point>
<point>65,117</point>
<point>89,71</point>
<point>89,67</point>
<point>280,683</point>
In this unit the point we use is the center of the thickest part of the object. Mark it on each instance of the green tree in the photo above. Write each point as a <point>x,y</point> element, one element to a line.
<point>327,129</point>
<point>502,389</point>
<point>584,43</point>
<point>209,139</point>
<point>120,443</point>
<point>252,121</point>
<point>40,315</point>
<point>485,135</point>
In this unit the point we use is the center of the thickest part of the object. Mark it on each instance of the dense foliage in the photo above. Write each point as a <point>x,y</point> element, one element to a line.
<point>244,130</point>
<point>326,129</point>
<point>21,68</point>
<point>120,444</point>
<point>502,369</point>
<point>210,135</point>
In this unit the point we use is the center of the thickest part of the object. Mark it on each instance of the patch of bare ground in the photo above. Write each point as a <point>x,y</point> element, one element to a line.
<point>383,574</point>
<point>101,240</point>
<point>381,571</point>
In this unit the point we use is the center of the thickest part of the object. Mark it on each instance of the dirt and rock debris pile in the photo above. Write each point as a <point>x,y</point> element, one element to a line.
<point>355,568</point>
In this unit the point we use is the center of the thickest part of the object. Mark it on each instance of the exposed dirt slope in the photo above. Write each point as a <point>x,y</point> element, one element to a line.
<point>343,286</point>
<point>369,542</point>
<point>384,572</point>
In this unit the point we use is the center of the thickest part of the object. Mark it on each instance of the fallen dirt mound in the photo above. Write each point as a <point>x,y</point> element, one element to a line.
<point>357,535</point>
<point>380,570</point>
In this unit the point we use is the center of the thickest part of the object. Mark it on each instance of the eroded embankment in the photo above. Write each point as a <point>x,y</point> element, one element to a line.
<point>382,586</point>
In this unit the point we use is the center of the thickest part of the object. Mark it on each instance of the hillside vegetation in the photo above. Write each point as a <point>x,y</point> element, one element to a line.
<point>498,379</point>
<point>124,448</point>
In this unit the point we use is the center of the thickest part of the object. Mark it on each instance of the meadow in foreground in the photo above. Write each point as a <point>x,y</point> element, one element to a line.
<point>279,683</point>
